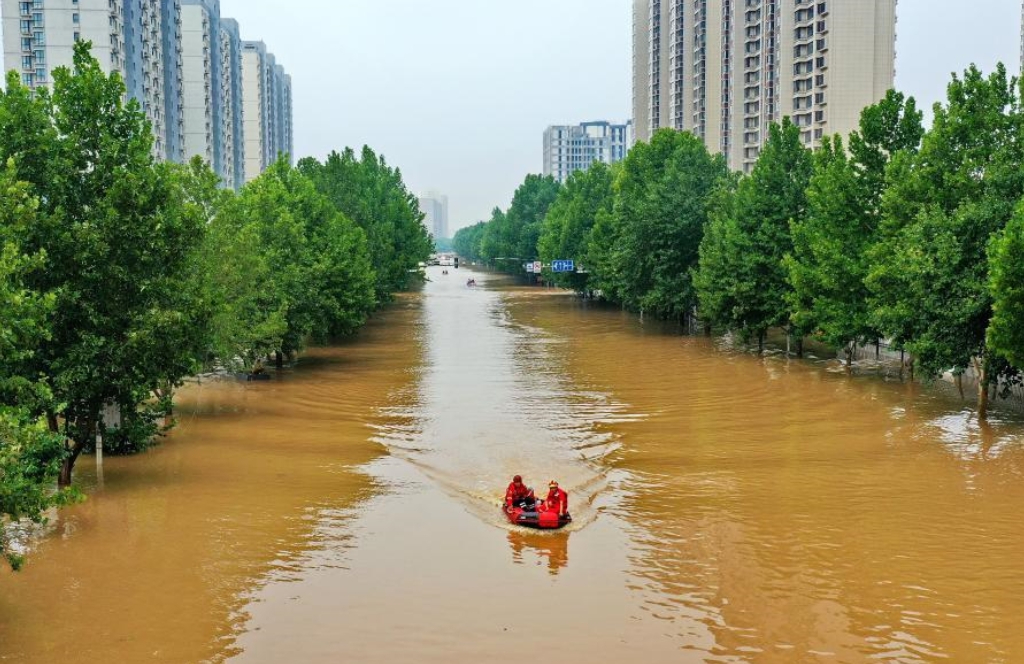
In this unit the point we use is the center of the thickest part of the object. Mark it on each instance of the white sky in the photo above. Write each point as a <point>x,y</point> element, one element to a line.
<point>457,93</point>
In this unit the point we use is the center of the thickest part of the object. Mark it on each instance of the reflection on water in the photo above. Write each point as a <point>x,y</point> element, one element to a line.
<point>551,549</point>
<point>727,508</point>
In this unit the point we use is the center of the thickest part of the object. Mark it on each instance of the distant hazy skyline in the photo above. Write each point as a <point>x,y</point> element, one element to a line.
<point>457,93</point>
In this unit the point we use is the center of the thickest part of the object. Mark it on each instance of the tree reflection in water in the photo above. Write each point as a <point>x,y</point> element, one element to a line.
<point>551,546</point>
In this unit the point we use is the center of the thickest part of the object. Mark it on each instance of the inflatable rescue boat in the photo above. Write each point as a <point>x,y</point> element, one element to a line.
<point>536,518</point>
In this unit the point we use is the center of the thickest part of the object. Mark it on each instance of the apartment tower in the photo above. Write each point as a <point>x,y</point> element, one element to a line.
<point>266,109</point>
<point>202,82</point>
<point>135,38</point>
<point>571,148</point>
<point>726,69</point>
<point>233,163</point>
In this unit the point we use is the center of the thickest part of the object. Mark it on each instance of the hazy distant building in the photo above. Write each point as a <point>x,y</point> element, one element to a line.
<point>726,69</point>
<point>435,214</point>
<point>138,39</point>
<point>571,148</point>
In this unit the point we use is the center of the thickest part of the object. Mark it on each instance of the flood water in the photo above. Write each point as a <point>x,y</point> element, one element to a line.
<point>728,508</point>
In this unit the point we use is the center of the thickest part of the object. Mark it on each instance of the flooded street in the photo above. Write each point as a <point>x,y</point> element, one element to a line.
<point>727,508</point>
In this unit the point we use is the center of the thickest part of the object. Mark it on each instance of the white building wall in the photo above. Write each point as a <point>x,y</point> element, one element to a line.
<point>571,148</point>
<point>254,112</point>
<point>727,69</point>
<point>197,99</point>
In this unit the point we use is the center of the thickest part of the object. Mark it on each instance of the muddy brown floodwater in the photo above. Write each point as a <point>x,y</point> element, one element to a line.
<point>728,508</point>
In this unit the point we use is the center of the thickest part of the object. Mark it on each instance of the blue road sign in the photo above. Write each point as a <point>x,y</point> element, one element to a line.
<point>563,266</point>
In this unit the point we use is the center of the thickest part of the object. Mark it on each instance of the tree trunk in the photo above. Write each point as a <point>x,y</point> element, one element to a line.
<point>849,354</point>
<point>800,347</point>
<point>51,421</point>
<point>707,329</point>
<point>68,466</point>
<point>760,343</point>
<point>279,359</point>
<point>960,385</point>
<point>981,368</point>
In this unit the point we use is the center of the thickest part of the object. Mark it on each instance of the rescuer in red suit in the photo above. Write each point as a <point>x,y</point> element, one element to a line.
<point>520,495</point>
<point>557,500</point>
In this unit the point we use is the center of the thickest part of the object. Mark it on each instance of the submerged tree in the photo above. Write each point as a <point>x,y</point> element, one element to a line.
<point>1006,286</point>
<point>829,262</point>
<point>371,193</point>
<point>662,210</point>
<point>742,282</point>
<point>119,246</point>
<point>30,455</point>
<point>568,224</point>
<point>930,275</point>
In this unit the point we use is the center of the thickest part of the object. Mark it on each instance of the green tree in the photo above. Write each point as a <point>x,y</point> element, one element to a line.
<point>30,455</point>
<point>467,241</point>
<point>744,285</point>
<point>829,263</point>
<point>373,195</point>
<point>930,274</point>
<point>568,224</point>
<point>119,245</point>
<point>530,204</point>
<point>1006,286</point>
<point>662,210</point>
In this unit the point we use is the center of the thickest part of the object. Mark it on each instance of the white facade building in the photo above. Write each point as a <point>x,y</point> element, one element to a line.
<point>201,77</point>
<point>571,148</point>
<point>266,109</point>
<point>726,69</point>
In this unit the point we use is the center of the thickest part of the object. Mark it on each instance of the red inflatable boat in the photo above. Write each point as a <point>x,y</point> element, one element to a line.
<point>536,518</point>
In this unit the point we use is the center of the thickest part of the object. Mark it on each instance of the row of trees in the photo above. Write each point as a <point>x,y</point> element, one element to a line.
<point>901,234</point>
<point>120,276</point>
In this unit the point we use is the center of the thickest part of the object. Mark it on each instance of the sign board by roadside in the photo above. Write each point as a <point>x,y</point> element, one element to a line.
<point>528,267</point>
<point>538,267</point>
<point>563,266</point>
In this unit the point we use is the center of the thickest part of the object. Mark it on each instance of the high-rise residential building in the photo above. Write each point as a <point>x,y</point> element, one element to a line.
<point>266,109</point>
<point>171,47</point>
<point>285,118</point>
<point>434,207</point>
<point>231,94</point>
<point>726,69</point>
<point>204,90</point>
<point>571,148</point>
<point>254,108</point>
<point>202,78</point>
<point>135,38</point>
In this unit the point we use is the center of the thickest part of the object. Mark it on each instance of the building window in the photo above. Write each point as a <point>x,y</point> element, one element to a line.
<point>74,18</point>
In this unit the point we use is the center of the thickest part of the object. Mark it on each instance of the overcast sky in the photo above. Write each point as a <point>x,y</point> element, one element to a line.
<point>457,93</point>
